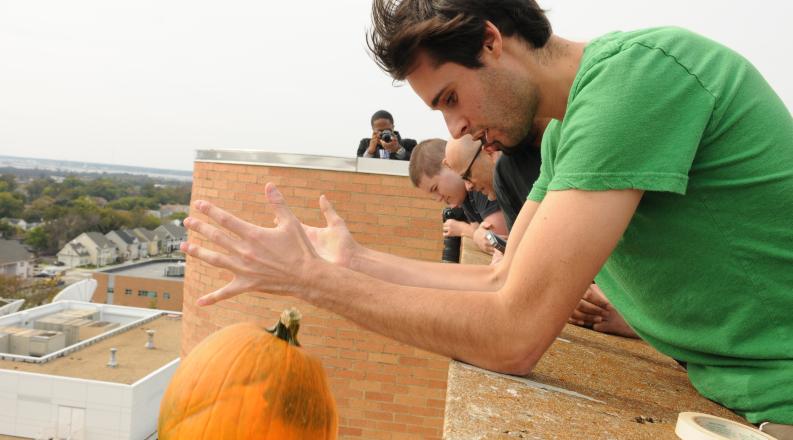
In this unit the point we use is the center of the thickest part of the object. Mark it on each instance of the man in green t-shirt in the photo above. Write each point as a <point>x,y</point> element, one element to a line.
<point>670,166</point>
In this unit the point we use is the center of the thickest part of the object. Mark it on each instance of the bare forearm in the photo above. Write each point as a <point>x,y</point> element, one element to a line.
<point>475,327</point>
<point>409,272</point>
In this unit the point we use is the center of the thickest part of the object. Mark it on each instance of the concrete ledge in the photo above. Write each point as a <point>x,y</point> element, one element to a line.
<point>588,385</point>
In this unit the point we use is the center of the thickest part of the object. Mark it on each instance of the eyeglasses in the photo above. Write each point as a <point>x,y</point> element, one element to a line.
<point>467,174</point>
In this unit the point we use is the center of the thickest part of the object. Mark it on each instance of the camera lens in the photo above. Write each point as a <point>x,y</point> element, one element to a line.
<point>386,136</point>
<point>451,245</point>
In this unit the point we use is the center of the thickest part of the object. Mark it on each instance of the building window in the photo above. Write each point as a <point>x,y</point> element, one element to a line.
<point>166,295</point>
<point>142,293</point>
<point>152,294</point>
<point>127,291</point>
<point>109,290</point>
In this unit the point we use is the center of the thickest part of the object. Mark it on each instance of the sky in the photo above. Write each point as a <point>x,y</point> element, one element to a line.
<point>148,83</point>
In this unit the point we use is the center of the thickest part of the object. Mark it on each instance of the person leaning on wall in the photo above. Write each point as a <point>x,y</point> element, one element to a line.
<point>667,172</point>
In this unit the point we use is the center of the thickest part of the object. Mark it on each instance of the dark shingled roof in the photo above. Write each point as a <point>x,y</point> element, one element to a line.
<point>100,240</point>
<point>12,251</point>
<point>124,236</point>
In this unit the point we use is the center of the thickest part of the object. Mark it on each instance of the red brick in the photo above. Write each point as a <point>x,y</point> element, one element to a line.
<point>367,372</point>
<point>383,397</point>
<point>345,431</point>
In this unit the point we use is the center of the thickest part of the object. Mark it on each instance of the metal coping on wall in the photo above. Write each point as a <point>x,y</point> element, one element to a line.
<point>288,160</point>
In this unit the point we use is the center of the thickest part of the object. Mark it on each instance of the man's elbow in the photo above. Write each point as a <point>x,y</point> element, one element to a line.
<point>519,362</point>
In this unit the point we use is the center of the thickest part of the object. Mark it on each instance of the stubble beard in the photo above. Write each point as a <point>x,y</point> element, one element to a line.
<point>517,106</point>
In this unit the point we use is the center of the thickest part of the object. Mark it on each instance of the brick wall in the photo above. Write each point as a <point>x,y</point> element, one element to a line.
<point>384,389</point>
<point>122,282</point>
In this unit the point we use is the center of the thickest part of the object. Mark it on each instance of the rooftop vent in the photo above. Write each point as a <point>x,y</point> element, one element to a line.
<point>150,342</point>
<point>174,270</point>
<point>112,362</point>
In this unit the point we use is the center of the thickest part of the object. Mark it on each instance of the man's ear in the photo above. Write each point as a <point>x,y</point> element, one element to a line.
<point>445,163</point>
<point>492,44</point>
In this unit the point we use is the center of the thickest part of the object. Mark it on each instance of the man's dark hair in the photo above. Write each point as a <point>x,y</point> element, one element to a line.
<point>448,30</point>
<point>381,114</point>
<point>426,160</point>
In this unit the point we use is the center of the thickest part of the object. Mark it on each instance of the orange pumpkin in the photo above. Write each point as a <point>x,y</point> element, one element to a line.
<point>247,382</point>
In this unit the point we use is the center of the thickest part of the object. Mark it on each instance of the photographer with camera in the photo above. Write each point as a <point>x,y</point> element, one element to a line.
<point>385,143</point>
<point>428,173</point>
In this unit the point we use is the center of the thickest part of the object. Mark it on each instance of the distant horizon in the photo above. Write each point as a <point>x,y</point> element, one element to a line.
<point>56,159</point>
<point>55,164</point>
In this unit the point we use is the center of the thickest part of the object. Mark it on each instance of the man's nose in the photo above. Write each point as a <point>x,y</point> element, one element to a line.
<point>457,125</point>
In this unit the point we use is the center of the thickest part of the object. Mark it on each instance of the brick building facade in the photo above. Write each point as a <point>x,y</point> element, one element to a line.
<point>140,285</point>
<point>384,389</point>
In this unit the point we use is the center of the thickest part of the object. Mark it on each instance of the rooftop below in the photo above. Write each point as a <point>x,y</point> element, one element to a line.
<point>135,361</point>
<point>153,269</point>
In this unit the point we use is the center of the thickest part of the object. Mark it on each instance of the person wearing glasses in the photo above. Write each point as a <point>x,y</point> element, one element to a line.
<point>473,164</point>
<point>495,175</point>
<point>666,174</point>
<point>428,173</point>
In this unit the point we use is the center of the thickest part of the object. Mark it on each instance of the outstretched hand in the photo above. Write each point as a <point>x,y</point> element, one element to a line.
<point>274,260</point>
<point>334,242</point>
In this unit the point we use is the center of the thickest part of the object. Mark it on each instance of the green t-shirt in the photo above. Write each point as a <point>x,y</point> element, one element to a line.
<point>704,271</point>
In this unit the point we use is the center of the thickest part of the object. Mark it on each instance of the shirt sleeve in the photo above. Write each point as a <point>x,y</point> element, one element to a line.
<point>469,209</point>
<point>484,207</point>
<point>408,145</point>
<point>513,179</point>
<point>362,146</point>
<point>500,186</point>
<point>634,121</point>
<point>549,140</point>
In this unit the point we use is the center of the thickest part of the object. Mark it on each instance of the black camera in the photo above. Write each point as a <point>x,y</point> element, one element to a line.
<point>451,245</point>
<point>386,136</point>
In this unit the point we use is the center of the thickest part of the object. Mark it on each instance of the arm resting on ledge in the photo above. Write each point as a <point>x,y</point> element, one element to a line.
<point>556,255</point>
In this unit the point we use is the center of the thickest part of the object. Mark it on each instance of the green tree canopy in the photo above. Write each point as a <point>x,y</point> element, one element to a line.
<point>38,239</point>
<point>11,204</point>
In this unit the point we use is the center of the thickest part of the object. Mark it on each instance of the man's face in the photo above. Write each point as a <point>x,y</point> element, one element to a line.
<point>445,187</point>
<point>465,158</point>
<point>493,103</point>
<point>382,124</point>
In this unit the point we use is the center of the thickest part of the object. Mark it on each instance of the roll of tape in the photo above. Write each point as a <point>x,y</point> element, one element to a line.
<point>698,426</point>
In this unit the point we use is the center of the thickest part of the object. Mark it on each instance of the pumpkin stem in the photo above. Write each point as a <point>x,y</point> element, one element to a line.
<point>287,326</point>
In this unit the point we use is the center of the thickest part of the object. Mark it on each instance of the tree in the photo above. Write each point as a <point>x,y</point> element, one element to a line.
<point>10,287</point>
<point>8,182</point>
<point>142,219</point>
<point>7,230</point>
<point>178,216</point>
<point>36,187</point>
<point>37,210</point>
<point>38,239</point>
<point>111,219</point>
<point>85,204</point>
<point>11,204</point>
<point>106,188</point>
<point>34,292</point>
<point>134,202</point>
